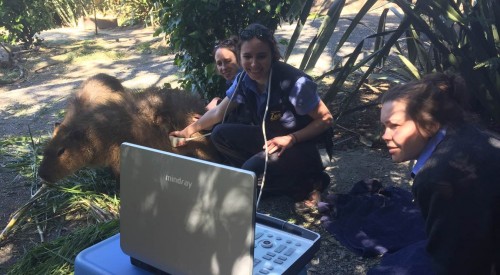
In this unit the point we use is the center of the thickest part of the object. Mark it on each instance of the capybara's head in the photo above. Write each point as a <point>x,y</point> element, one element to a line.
<point>68,151</point>
<point>94,108</point>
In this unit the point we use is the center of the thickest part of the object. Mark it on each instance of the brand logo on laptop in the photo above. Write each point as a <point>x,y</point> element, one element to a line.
<point>179,181</point>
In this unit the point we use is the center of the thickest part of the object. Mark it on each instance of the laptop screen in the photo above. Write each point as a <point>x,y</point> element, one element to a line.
<point>186,216</point>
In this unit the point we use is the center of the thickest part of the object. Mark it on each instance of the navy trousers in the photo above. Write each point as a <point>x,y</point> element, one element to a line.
<point>242,146</point>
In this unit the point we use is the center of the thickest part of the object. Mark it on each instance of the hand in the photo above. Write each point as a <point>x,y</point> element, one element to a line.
<point>279,144</point>
<point>177,138</point>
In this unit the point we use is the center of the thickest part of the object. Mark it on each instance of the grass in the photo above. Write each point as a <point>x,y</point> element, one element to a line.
<point>57,257</point>
<point>89,50</point>
<point>22,153</point>
<point>156,46</point>
<point>87,197</point>
<point>9,74</point>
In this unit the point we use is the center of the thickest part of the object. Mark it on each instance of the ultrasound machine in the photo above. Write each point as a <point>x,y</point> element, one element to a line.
<point>180,215</point>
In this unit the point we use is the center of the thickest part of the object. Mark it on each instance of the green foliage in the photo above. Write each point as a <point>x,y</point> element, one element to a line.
<point>192,28</point>
<point>57,257</point>
<point>88,196</point>
<point>132,12</point>
<point>446,35</point>
<point>23,19</point>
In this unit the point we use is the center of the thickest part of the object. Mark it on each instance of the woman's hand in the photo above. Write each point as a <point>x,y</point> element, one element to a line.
<point>280,144</point>
<point>178,138</point>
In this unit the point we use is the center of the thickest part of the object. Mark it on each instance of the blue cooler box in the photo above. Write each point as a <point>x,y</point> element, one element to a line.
<point>107,257</point>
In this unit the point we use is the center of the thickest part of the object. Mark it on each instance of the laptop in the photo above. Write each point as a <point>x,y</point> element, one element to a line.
<point>181,215</point>
<point>186,216</point>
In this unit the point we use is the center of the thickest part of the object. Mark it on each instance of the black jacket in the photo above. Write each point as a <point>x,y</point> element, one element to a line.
<point>282,119</point>
<point>458,191</point>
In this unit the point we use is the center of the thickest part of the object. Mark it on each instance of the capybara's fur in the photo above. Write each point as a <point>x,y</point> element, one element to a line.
<point>102,115</point>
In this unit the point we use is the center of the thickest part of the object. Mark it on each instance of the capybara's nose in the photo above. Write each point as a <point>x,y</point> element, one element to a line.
<point>44,175</point>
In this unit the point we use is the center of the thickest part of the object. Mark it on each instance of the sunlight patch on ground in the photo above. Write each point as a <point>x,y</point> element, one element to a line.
<point>144,80</point>
<point>6,253</point>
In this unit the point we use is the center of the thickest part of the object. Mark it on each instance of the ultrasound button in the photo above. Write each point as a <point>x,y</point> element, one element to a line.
<point>280,248</point>
<point>298,244</point>
<point>271,254</point>
<point>264,271</point>
<point>290,251</point>
<point>256,261</point>
<point>267,257</point>
<point>278,238</point>
<point>258,235</point>
<point>278,261</point>
<point>266,244</point>
<point>268,266</point>
<point>283,258</point>
<point>288,241</point>
<point>270,235</point>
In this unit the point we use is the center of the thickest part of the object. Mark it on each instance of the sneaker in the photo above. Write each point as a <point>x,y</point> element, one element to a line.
<point>310,204</point>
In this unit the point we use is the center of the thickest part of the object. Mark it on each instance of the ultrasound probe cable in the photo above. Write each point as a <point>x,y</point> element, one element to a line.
<point>175,140</point>
<point>263,127</point>
<point>265,137</point>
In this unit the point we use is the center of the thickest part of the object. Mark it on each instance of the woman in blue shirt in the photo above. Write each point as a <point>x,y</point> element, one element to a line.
<point>457,174</point>
<point>273,107</point>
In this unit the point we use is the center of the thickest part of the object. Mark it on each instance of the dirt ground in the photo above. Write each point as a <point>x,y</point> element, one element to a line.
<point>34,104</point>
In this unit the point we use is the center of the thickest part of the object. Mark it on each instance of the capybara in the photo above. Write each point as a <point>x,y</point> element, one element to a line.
<point>102,115</point>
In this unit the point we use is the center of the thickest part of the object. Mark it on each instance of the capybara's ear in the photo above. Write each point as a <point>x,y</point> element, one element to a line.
<point>56,128</point>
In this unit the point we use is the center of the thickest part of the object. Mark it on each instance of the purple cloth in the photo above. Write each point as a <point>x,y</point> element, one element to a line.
<point>371,220</point>
<point>410,260</point>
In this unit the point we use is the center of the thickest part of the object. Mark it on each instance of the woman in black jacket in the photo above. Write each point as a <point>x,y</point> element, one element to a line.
<point>276,118</point>
<point>456,176</point>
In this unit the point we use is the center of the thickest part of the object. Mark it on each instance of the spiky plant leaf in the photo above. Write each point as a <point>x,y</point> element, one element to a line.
<point>323,36</point>
<point>298,29</point>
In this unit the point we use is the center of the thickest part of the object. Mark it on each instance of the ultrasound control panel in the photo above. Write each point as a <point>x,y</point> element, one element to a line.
<point>282,248</point>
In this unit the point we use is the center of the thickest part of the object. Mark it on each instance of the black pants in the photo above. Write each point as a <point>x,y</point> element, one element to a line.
<point>241,145</point>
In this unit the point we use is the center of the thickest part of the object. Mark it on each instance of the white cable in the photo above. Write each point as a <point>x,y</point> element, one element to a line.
<point>265,138</point>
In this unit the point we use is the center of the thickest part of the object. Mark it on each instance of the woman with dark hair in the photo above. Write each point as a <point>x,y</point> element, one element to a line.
<point>226,62</point>
<point>276,116</point>
<point>457,173</point>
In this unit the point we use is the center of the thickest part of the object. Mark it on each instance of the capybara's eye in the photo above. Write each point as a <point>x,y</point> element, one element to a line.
<point>60,152</point>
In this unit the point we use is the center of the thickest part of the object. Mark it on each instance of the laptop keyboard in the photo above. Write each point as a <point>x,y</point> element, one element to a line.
<point>276,250</point>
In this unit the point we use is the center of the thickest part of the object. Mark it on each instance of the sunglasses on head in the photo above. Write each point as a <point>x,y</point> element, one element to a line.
<point>224,44</point>
<point>259,33</point>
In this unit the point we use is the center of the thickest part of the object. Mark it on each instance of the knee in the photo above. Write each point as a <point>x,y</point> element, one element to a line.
<point>218,134</point>
<point>255,165</point>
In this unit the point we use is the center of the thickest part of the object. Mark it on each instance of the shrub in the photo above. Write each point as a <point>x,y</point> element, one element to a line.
<point>23,19</point>
<point>193,27</point>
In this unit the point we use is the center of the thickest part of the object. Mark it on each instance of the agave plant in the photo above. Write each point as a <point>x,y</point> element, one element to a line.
<point>446,35</point>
